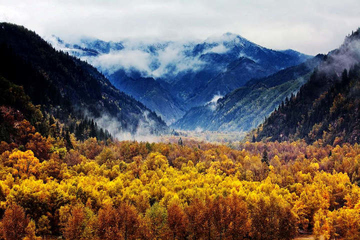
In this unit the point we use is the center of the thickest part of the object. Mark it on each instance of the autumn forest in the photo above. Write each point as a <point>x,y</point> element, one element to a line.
<point>194,190</point>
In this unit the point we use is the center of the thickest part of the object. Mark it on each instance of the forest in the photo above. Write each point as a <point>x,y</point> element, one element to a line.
<point>175,189</point>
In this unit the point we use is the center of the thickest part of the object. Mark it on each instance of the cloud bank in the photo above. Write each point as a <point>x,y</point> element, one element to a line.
<point>309,26</point>
<point>149,59</point>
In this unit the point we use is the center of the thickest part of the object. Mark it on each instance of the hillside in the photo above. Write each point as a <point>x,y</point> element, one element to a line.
<point>247,106</point>
<point>151,93</point>
<point>66,86</point>
<point>327,107</point>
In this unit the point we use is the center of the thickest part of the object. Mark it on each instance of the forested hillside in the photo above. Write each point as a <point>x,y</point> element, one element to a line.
<point>65,86</point>
<point>327,107</point>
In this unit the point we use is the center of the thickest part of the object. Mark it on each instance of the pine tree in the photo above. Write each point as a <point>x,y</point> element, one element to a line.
<point>265,158</point>
<point>68,140</point>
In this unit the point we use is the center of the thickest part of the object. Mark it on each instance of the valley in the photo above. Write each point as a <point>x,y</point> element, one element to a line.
<point>176,139</point>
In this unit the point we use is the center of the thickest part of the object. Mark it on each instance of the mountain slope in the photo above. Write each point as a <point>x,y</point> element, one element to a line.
<point>236,75</point>
<point>327,107</point>
<point>67,86</point>
<point>247,106</point>
<point>151,93</point>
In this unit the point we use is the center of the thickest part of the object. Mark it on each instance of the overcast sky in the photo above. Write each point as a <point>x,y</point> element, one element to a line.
<point>309,26</point>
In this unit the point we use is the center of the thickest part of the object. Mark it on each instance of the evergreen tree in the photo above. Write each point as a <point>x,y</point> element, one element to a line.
<point>265,158</point>
<point>180,142</point>
<point>68,140</point>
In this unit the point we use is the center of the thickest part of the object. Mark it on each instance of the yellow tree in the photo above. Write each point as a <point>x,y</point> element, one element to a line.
<point>39,145</point>
<point>199,216</point>
<point>347,223</point>
<point>25,162</point>
<point>77,222</point>
<point>156,217</point>
<point>272,217</point>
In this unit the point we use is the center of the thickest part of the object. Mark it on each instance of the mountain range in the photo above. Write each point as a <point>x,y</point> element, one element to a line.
<point>172,77</point>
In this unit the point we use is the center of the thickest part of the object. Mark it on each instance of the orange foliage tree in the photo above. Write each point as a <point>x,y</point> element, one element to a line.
<point>14,223</point>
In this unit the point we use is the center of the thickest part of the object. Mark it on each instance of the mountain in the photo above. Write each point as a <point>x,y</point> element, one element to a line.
<point>66,86</point>
<point>247,106</point>
<point>226,71</point>
<point>189,73</point>
<point>327,108</point>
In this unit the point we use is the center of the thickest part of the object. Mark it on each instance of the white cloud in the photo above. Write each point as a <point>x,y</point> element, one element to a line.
<point>141,133</point>
<point>170,59</point>
<point>173,54</point>
<point>217,49</point>
<point>345,58</point>
<point>126,59</point>
<point>309,26</point>
<point>212,104</point>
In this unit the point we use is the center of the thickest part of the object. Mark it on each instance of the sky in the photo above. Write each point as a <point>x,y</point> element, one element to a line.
<point>308,26</point>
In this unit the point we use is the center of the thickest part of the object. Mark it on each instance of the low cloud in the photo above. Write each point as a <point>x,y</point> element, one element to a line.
<point>198,130</point>
<point>227,37</point>
<point>344,58</point>
<point>218,49</point>
<point>241,54</point>
<point>142,133</point>
<point>126,59</point>
<point>173,60</point>
<point>212,104</point>
<point>149,59</point>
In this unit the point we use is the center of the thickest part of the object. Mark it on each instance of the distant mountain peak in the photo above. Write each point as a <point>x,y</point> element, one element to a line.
<point>227,38</point>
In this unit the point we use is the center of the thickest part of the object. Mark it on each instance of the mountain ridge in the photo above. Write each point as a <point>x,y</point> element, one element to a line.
<point>326,109</point>
<point>85,91</point>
